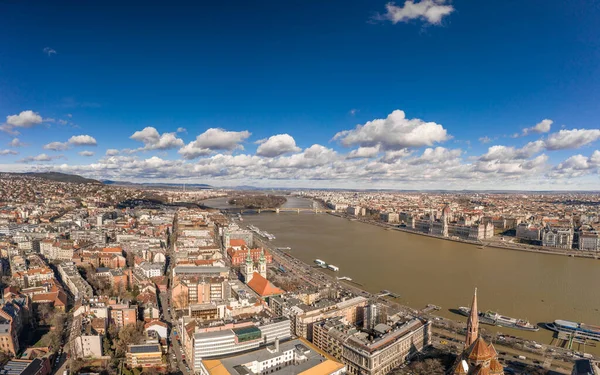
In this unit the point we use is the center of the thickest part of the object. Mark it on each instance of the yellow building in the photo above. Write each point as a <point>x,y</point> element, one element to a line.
<point>145,355</point>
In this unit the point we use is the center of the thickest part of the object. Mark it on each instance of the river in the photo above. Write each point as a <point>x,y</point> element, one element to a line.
<point>533,286</point>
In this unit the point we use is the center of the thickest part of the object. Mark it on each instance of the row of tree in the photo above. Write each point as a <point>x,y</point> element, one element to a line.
<point>257,201</point>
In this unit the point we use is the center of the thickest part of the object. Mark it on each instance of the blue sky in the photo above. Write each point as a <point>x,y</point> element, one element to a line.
<point>469,77</point>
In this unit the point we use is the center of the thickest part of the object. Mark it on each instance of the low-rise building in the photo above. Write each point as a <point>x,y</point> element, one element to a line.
<point>291,357</point>
<point>144,355</point>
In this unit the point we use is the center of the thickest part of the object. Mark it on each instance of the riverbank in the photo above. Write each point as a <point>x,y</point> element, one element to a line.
<point>445,329</point>
<point>505,246</point>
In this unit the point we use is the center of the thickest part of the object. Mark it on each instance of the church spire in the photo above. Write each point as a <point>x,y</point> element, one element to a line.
<point>472,323</point>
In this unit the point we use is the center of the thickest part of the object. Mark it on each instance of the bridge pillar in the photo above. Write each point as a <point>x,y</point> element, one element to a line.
<point>277,210</point>
<point>298,211</point>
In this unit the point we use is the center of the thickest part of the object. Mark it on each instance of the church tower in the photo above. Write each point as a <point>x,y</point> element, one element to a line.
<point>226,241</point>
<point>248,268</point>
<point>262,264</point>
<point>445,219</point>
<point>472,323</point>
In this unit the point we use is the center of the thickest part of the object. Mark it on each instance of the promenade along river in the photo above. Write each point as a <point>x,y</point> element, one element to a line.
<point>537,287</point>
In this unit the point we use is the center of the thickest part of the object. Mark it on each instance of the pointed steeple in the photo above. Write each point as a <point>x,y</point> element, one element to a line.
<point>472,323</point>
<point>249,257</point>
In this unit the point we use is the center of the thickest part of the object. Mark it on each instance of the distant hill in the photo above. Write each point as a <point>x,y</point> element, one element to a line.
<point>156,184</point>
<point>57,176</point>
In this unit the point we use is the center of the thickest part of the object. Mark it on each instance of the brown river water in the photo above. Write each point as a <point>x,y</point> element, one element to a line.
<point>423,270</point>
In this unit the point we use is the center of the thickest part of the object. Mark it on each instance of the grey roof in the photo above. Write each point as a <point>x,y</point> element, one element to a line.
<point>149,348</point>
<point>21,368</point>
<point>584,367</point>
<point>234,364</point>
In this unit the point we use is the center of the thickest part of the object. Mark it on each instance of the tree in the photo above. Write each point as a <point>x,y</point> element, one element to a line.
<point>128,335</point>
<point>107,347</point>
<point>429,366</point>
<point>44,310</point>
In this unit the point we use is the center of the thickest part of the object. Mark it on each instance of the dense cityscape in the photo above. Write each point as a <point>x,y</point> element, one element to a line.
<point>111,279</point>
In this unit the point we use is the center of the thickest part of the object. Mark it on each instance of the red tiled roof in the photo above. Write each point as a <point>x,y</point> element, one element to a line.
<point>262,286</point>
<point>237,242</point>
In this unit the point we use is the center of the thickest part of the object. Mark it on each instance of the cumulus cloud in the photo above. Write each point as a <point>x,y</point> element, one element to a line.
<point>541,127</point>
<point>112,152</point>
<point>214,139</point>
<point>82,140</point>
<point>364,152</point>
<point>506,153</point>
<point>56,146</point>
<point>429,11</point>
<point>577,166</point>
<point>41,158</point>
<point>394,133</point>
<point>153,140</point>
<point>86,153</point>
<point>76,140</point>
<point>438,155</point>
<point>277,145</point>
<point>16,142</point>
<point>181,130</point>
<point>49,51</point>
<point>8,152</point>
<point>315,155</point>
<point>25,119</point>
<point>394,156</point>
<point>485,139</point>
<point>512,167</point>
<point>575,138</point>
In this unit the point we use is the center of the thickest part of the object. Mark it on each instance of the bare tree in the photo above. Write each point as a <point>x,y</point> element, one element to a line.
<point>428,367</point>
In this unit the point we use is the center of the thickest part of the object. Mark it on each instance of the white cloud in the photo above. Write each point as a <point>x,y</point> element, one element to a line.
<point>56,146</point>
<point>315,155</point>
<point>41,158</point>
<point>112,152</point>
<point>8,152</point>
<point>506,153</point>
<point>394,156</point>
<point>16,142</point>
<point>430,11</point>
<point>86,153</point>
<point>214,139</point>
<point>393,133</point>
<point>364,152</point>
<point>438,155</point>
<point>25,119</point>
<point>181,130</point>
<point>353,111</point>
<point>152,140</point>
<point>277,145</point>
<point>485,139</point>
<point>577,166</point>
<point>49,51</point>
<point>567,139</point>
<point>82,140</point>
<point>540,127</point>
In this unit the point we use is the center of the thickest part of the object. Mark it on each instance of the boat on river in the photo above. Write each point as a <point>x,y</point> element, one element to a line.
<point>494,319</point>
<point>580,330</point>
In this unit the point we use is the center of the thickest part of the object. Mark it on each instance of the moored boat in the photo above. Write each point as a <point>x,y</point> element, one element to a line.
<point>581,330</point>
<point>495,319</point>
